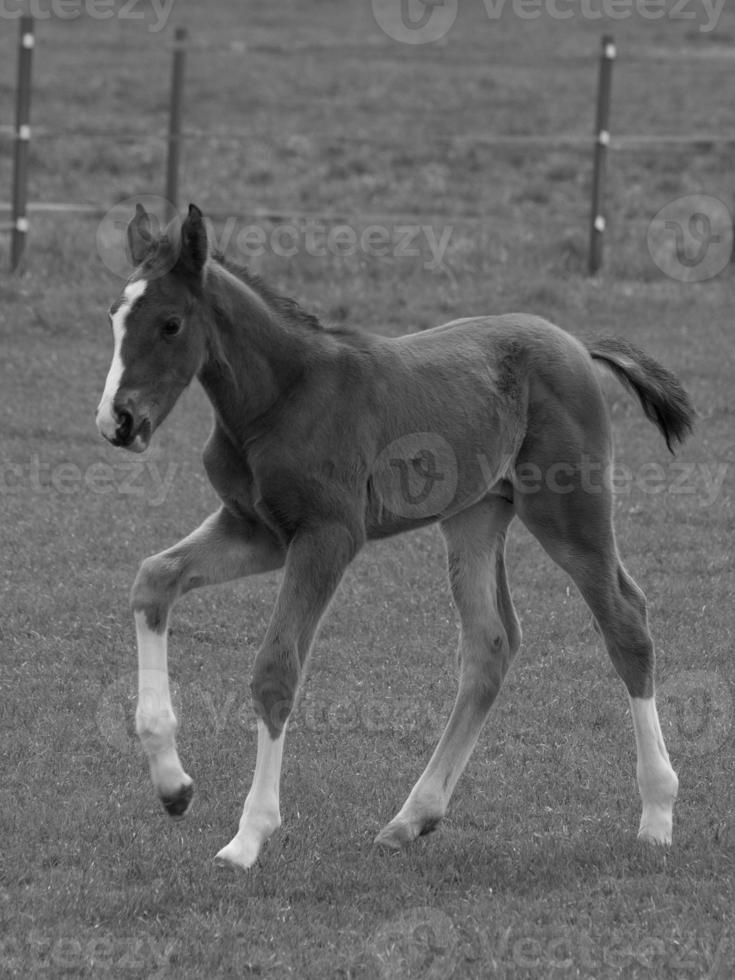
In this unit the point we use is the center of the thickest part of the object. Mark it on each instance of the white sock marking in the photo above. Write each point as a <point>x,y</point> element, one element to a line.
<point>657,780</point>
<point>261,813</point>
<point>155,720</point>
<point>106,422</point>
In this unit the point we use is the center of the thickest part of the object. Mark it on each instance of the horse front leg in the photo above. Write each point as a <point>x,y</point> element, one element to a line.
<point>314,566</point>
<point>223,548</point>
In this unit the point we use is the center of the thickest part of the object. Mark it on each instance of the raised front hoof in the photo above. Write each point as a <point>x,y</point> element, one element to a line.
<point>398,833</point>
<point>177,804</point>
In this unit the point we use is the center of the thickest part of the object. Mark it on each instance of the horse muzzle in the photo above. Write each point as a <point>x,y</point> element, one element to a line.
<point>120,425</point>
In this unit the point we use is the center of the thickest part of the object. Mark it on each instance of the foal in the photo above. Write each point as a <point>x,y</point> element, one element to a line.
<point>324,439</point>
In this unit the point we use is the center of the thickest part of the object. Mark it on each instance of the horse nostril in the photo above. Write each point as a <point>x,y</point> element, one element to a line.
<point>124,425</point>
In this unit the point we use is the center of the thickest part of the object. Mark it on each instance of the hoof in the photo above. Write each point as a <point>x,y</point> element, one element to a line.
<point>659,838</point>
<point>397,834</point>
<point>392,838</point>
<point>656,826</point>
<point>235,857</point>
<point>177,804</point>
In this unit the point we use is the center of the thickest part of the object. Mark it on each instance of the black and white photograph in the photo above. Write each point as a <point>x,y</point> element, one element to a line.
<point>367,538</point>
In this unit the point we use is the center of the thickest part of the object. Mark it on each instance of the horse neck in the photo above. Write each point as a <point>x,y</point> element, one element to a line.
<point>254,354</point>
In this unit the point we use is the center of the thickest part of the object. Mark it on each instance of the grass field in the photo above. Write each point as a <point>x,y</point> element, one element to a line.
<point>536,871</point>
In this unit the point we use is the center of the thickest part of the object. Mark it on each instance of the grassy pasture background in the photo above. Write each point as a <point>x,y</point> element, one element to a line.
<point>536,871</point>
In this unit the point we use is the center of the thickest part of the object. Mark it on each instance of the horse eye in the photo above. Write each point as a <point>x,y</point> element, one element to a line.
<point>172,327</point>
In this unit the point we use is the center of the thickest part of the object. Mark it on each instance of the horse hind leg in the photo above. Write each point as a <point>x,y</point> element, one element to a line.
<point>490,636</point>
<point>630,647</point>
<point>575,528</point>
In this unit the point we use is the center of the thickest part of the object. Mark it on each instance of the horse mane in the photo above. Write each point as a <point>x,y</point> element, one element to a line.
<point>286,307</point>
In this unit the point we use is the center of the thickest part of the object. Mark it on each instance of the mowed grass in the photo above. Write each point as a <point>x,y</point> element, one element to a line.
<point>536,871</point>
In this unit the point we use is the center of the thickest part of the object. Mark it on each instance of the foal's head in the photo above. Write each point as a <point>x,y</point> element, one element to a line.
<point>158,329</point>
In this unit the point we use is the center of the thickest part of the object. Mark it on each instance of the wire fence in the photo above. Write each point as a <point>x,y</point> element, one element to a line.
<point>174,135</point>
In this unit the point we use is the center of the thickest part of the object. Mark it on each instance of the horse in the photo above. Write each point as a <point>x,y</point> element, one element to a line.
<point>325,438</point>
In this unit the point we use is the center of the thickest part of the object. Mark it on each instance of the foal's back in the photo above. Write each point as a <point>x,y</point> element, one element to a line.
<point>462,401</point>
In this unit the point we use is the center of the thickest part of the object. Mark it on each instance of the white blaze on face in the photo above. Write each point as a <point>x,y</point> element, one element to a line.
<point>106,421</point>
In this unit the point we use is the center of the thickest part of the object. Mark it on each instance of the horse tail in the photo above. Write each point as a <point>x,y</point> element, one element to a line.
<point>664,400</point>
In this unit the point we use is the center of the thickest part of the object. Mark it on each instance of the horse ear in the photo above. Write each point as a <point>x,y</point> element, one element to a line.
<point>140,235</point>
<point>194,245</point>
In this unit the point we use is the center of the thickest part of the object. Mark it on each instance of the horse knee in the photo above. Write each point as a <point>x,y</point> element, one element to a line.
<point>154,590</point>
